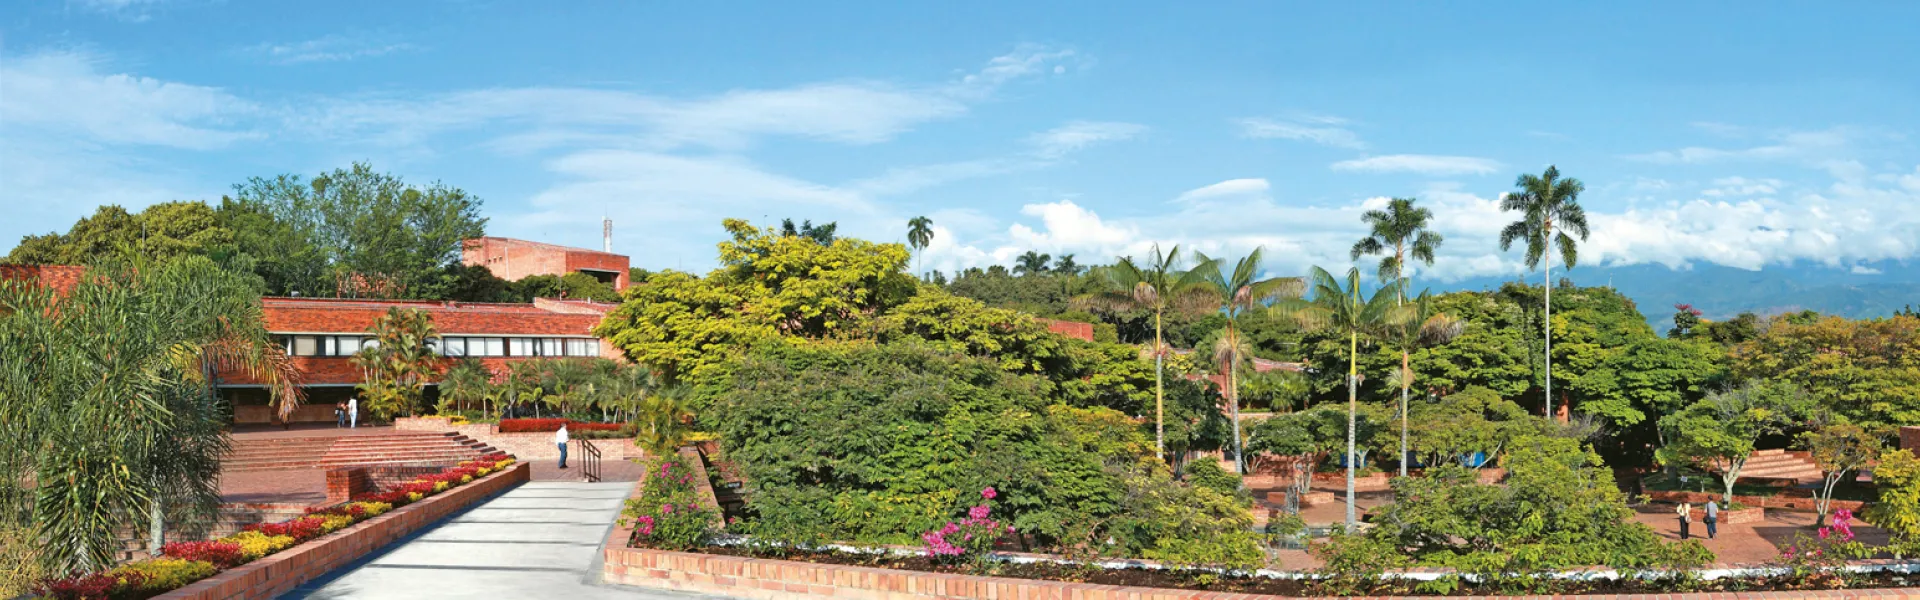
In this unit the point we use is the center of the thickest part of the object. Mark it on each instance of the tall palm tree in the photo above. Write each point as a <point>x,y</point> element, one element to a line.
<point>919,234</point>
<point>1422,324</point>
<point>1031,263</point>
<point>1401,229</point>
<point>1336,307</point>
<point>1237,293</point>
<point>1157,286</point>
<point>1545,201</point>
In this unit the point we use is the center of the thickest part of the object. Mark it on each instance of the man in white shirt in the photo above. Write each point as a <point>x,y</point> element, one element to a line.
<point>560,438</point>
<point>353,413</point>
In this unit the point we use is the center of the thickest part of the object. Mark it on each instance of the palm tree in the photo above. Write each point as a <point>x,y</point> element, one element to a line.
<point>1031,263</point>
<point>662,422</point>
<point>1238,293</point>
<point>919,234</point>
<point>1337,308</point>
<point>1401,228</point>
<point>1067,266</point>
<point>1159,286</point>
<point>1422,324</point>
<point>465,383</point>
<point>111,411</point>
<point>1543,201</point>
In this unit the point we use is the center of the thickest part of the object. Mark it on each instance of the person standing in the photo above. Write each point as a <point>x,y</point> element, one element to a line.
<point>1686,517</point>
<point>560,438</point>
<point>1713,519</point>
<point>353,413</point>
<point>340,414</point>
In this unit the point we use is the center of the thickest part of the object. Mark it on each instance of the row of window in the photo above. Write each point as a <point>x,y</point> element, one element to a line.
<point>348,345</point>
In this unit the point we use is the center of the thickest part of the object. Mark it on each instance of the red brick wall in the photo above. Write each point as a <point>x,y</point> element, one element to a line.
<point>1070,329</point>
<point>1910,439</point>
<point>345,483</point>
<point>512,259</point>
<point>61,278</point>
<point>275,575</point>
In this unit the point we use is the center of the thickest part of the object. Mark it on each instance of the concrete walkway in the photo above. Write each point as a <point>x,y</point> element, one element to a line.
<point>540,540</point>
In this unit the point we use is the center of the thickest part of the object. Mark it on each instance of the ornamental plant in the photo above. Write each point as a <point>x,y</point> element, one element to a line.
<point>254,544</point>
<point>161,575</point>
<point>668,514</point>
<point>969,538</point>
<point>1820,562</point>
<point>223,554</point>
<point>88,587</point>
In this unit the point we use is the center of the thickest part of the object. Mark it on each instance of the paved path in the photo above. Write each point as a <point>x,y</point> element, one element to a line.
<point>540,540</point>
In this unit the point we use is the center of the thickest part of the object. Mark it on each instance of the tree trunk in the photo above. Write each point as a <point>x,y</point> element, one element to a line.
<point>1547,243</point>
<point>1233,397</point>
<point>1159,393</point>
<point>1732,474</point>
<point>1405,375</point>
<point>1353,403</point>
<point>156,526</point>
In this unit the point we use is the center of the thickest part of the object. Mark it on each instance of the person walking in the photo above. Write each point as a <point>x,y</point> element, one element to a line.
<point>1686,517</point>
<point>1713,519</point>
<point>560,438</point>
<point>353,413</point>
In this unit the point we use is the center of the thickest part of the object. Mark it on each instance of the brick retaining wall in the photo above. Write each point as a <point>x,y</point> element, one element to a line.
<point>524,446</point>
<point>1780,502</point>
<point>346,482</point>
<point>276,574</point>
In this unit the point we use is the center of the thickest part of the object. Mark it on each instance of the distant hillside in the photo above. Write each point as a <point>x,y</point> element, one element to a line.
<point>1722,292</point>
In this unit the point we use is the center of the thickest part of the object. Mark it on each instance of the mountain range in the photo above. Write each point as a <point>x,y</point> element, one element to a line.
<point>1867,290</point>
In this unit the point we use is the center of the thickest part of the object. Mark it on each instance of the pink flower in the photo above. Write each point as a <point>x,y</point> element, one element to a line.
<point>988,493</point>
<point>979,512</point>
<point>666,509</point>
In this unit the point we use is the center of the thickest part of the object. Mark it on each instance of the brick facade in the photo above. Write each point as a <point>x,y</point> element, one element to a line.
<point>512,260</point>
<point>345,483</point>
<point>280,572</point>
<point>1072,329</point>
<point>61,278</point>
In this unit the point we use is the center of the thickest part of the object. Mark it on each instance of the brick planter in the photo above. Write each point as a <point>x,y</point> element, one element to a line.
<point>1734,517</point>
<point>522,445</point>
<point>1790,500</point>
<point>274,575</point>
<point>1376,482</point>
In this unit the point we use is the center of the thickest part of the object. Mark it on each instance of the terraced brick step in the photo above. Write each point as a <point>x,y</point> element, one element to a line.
<point>390,449</point>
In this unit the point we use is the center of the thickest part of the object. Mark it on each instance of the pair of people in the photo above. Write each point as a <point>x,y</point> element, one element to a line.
<point>347,414</point>
<point>1711,512</point>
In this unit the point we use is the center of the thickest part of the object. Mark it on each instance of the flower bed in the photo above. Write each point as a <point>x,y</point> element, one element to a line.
<point>551,425</point>
<point>184,563</point>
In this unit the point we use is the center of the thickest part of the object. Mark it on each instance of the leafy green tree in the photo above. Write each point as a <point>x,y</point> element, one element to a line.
<point>362,223</point>
<point>1066,266</point>
<point>662,422</point>
<point>919,234</point>
<point>1720,432</point>
<point>158,233</point>
<point>110,409</point>
<point>1558,509</point>
<point>1237,294</point>
<point>823,234</point>
<point>1336,307</point>
<point>1897,479</point>
<point>1031,263</point>
<point>1158,287</point>
<point>1282,390</point>
<point>1300,440</point>
<point>1474,420</point>
<point>1544,200</point>
<point>1839,449</point>
<point>397,363</point>
<point>475,283</point>
<point>1867,371</point>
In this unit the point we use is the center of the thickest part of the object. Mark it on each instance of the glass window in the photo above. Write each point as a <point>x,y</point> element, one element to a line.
<point>453,346</point>
<point>346,345</point>
<point>519,347</point>
<point>332,346</point>
<point>582,348</point>
<point>495,347</point>
<point>550,347</point>
<point>305,345</point>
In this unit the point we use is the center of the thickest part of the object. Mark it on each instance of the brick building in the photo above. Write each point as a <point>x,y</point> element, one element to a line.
<point>61,278</point>
<point>512,260</point>
<point>322,334</point>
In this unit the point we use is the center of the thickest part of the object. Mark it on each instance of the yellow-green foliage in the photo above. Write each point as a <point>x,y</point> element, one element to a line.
<point>415,496</point>
<point>165,574</point>
<point>374,509</point>
<point>254,544</point>
<point>19,562</point>
<point>332,523</point>
<point>439,486</point>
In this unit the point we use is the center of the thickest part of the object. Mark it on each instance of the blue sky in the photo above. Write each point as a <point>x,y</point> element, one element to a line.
<point>1705,133</point>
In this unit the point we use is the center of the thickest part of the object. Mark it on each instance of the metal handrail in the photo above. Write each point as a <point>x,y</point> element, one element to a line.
<point>589,460</point>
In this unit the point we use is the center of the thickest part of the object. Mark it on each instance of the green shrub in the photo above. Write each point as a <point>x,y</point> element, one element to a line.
<point>19,562</point>
<point>254,544</point>
<point>669,514</point>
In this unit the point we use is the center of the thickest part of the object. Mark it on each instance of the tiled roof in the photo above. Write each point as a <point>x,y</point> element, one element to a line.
<point>328,315</point>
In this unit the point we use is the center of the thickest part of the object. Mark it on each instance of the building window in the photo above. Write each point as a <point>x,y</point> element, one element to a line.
<point>495,347</point>
<point>346,345</point>
<point>305,345</point>
<point>582,348</point>
<point>550,347</point>
<point>519,347</point>
<point>453,346</point>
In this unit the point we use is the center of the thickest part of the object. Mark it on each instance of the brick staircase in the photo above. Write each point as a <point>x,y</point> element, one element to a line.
<point>361,450</point>
<point>1780,465</point>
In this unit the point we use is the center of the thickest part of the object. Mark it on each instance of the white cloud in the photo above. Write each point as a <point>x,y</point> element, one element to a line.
<point>1322,130</point>
<point>1230,187</point>
<point>1740,186</point>
<point>1786,145</point>
<point>66,93</point>
<point>131,10</point>
<point>1864,270</point>
<point>329,48</point>
<point>1028,60</point>
<point>1079,134</point>
<point>1425,164</point>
